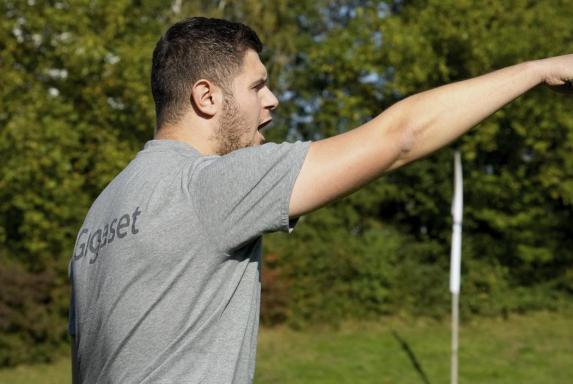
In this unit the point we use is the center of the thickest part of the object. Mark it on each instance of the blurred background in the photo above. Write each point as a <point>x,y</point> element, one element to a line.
<point>76,106</point>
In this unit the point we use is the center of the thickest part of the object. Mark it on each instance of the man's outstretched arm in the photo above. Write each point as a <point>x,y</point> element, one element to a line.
<point>412,128</point>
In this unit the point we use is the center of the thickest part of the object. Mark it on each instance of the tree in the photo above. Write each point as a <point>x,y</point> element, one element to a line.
<point>77,107</point>
<point>518,194</point>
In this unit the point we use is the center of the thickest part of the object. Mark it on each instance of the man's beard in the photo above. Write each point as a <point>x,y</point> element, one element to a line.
<point>233,131</point>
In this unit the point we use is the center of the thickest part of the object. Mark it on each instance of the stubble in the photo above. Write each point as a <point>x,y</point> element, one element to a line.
<point>233,131</point>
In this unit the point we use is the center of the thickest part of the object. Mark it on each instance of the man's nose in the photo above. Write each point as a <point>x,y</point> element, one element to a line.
<point>271,101</point>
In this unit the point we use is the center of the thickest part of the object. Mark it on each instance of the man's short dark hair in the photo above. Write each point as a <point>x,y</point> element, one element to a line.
<point>193,49</point>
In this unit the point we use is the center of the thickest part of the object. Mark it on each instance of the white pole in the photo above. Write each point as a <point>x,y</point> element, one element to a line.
<point>176,7</point>
<point>455,260</point>
<point>455,329</point>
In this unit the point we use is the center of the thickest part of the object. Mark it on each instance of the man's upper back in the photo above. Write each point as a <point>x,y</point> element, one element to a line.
<point>165,271</point>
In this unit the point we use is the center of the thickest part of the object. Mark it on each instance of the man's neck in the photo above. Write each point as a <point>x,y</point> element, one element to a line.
<point>198,140</point>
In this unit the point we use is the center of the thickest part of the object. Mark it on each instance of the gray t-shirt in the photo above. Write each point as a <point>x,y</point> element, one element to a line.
<point>166,267</point>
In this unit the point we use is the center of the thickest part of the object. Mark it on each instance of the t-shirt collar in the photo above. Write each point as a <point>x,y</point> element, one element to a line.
<point>169,144</point>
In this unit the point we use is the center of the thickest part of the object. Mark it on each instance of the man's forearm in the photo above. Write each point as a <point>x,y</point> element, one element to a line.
<point>436,117</point>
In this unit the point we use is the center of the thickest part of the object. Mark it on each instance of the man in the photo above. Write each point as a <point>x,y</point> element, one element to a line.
<point>165,272</point>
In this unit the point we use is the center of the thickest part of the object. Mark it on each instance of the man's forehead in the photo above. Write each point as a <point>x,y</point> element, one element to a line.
<point>252,65</point>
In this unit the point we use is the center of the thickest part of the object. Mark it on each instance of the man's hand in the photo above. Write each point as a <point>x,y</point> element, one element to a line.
<point>557,73</point>
<point>413,128</point>
<point>556,70</point>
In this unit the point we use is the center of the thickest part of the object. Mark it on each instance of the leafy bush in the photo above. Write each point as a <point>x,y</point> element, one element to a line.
<point>31,315</point>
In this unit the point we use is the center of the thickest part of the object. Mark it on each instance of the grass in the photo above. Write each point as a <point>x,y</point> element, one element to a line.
<point>536,348</point>
<point>58,372</point>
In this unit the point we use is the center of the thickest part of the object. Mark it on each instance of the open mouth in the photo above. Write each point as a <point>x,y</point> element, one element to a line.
<point>261,126</point>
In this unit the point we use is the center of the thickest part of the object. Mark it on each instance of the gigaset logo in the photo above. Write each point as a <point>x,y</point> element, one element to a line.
<point>94,241</point>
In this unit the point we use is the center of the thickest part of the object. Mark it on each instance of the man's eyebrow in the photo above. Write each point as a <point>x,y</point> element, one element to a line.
<point>259,81</point>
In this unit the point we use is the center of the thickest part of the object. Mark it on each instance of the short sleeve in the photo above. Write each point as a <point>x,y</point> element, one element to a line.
<point>246,193</point>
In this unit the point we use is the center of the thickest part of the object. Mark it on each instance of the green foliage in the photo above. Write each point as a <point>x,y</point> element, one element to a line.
<point>516,178</point>
<point>517,241</point>
<point>24,318</point>
<point>357,268</point>
<point>76,107</point>
<point>75,111</point>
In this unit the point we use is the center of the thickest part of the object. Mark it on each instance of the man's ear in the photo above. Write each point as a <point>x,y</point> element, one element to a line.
<point>206,98</point>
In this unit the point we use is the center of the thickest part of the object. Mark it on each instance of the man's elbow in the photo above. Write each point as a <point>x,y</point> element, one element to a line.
<point>404,137</point>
